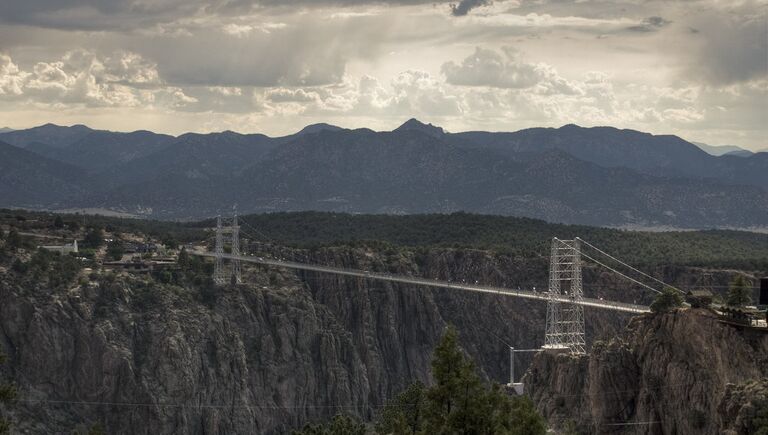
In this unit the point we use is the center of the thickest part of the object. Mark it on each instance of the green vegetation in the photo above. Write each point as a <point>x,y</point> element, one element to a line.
<point>8,395</point>
<point>94,238</point>
<point>739,292</point>
<point>96,429</point>
<point>668,300</point>
<point>524,237</point>
<point>520,237</point>
<point>405,413</point>
<point>13,240</point>
<point>760,420</point>
<point>115,250</point>
<point>458,402</point>
<point>339,425</point>
<point>44,266</point>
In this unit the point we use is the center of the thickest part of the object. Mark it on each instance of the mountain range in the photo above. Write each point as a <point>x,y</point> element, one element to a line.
<point>598,176</point>
<point>721,150</point>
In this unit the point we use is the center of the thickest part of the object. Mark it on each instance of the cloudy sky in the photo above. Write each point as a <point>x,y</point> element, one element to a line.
<point>696,68</point>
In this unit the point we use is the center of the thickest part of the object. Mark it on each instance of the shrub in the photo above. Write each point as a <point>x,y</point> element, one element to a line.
<point>668,300</point>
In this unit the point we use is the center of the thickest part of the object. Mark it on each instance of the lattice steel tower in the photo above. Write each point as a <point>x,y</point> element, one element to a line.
<point>223,274</point>
<point>565,320</point>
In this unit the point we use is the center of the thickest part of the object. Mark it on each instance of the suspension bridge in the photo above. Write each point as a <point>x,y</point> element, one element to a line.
<point>564,296</point>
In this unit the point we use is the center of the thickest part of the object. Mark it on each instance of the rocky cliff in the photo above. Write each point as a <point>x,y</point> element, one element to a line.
<point>285,348</point>
<point>682,372</point>
<point>139,357</point>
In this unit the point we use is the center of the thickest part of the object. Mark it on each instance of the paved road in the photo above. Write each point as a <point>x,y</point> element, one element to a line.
<point>588,302</point>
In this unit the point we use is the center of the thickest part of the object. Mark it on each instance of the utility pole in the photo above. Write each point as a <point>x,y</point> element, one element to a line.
<point>517,386</point>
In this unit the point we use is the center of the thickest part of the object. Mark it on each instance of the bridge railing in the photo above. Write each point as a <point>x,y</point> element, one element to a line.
<point>385,276</point>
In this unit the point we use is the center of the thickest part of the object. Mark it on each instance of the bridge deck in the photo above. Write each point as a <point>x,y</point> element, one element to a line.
<point>588,302</point>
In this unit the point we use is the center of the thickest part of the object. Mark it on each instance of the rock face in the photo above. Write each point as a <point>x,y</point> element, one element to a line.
<point>682,372</point>
<point>263,357</point>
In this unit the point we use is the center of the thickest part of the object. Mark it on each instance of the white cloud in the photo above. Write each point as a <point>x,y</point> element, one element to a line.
<point>122,79</point>
<point>506,70</point>
<point>283,95</point>
<point>489,68</point>
<point>243,30</point>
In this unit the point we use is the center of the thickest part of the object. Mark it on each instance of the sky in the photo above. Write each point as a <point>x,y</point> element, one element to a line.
<point>694,68</point>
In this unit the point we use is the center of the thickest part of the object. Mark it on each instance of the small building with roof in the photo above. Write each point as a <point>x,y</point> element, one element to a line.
<point>66,249</point>
<point>699,298</point>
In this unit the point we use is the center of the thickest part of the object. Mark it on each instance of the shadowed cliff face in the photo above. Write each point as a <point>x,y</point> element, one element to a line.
<point>264,357</point>
<point>684,371</point>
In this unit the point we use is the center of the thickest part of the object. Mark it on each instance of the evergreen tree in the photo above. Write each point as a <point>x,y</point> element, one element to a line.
<point>339,425</point>
<point>96,429</point>
<point>526,420</point>
<point>183,260</point>
<point>458,403</point>
<point>94,238</point>
<point>58,223</point>
<point>115,250</point>
<point>13,240</point>
<point>454,401</point>
<point>739,292</point>
<point>760,420</point>
<point>7,396</point>
<point>667,300</point>
<point>404,414</point>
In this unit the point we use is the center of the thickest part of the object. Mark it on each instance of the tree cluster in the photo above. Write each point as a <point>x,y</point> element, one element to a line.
<point>7,396</point>
<point>459,402</point>
<point>739,292</point>
<point>666,301</point>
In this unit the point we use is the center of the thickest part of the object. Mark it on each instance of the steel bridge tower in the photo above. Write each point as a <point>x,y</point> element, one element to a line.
<point>565,320</point>
<point>227,233</point>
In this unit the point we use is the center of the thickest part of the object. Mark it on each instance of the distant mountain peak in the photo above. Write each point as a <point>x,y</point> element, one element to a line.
<point>316,128</point>
<point>415,124</point>
<point>721,150</point>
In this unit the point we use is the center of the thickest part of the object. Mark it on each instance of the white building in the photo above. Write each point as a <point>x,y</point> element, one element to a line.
<point>65,249</point>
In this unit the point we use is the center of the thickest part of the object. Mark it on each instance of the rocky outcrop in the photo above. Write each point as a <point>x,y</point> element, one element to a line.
<point>744,406</point>
<point>682,372</point>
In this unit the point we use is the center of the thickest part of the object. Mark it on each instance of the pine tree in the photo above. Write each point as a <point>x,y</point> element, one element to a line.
<point>13,240</point>
<point>7,396</point>
<point>339,425</point>
<point>739,292</point>
<point>458,403</point>
<point>183,260</point>
<point>404,414</point>
<point>94,238</point>
<point>666,301</point>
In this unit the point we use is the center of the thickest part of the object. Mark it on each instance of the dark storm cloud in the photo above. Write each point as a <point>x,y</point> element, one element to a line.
<point>132,14</point>
<point>730,48</point>
<point>94,14</point>
<point>650,24</point>
<point>464,6</point>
